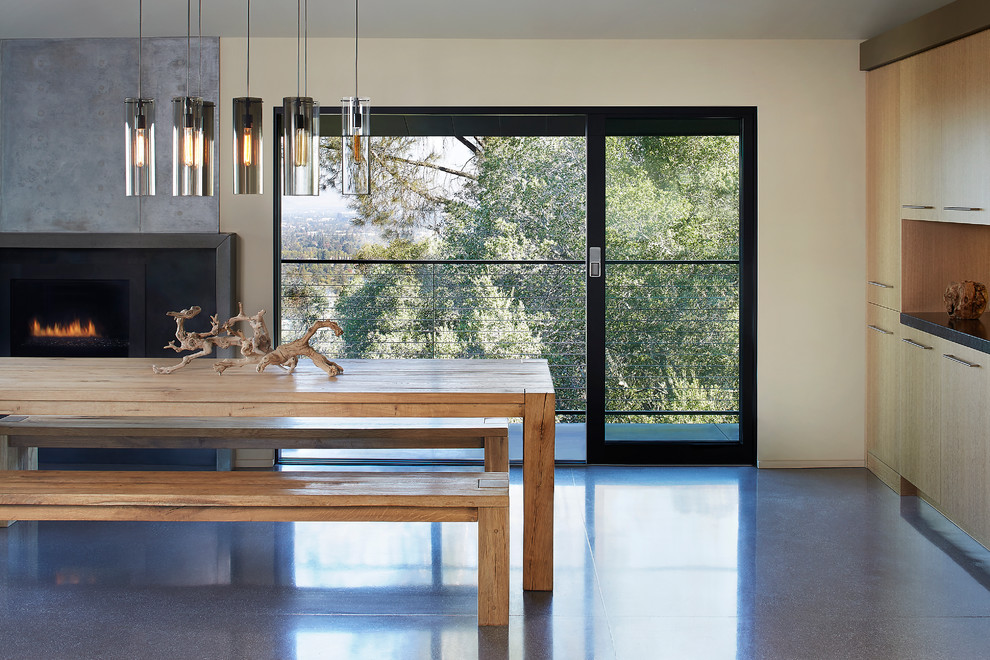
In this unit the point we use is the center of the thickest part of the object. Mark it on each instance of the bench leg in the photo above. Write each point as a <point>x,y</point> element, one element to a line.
<point>493,566</point>
<point>16,458</point>
<point>496,454</point>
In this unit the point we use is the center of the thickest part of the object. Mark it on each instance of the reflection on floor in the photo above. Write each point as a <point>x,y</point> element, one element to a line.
<point>650,563</point>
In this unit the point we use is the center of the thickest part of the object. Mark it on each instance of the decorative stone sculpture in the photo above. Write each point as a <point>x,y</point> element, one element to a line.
<point>966,299</point>
<point>254,350</point>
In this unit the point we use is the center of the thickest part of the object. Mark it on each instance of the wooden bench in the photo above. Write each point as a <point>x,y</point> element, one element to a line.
<point>224,433</point>
<point>281,496</point>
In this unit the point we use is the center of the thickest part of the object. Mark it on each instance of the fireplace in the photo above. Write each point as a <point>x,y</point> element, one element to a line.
<point>106,296</point>
<point>124,284</point>
<point>70,318</point>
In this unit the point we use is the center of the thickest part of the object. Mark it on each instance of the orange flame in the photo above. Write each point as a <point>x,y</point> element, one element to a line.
<point>74,329</point>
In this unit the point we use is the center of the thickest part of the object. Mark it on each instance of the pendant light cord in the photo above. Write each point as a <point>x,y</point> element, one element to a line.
<point>249,48</point>
<point>199,18</point>
<point>140,45</point>
<point>298,43</point>
<point>355,51</point>
<point>306,50</point>
<point>188,31</point>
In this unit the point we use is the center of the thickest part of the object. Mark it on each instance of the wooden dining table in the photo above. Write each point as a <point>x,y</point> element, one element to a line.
<point>366,388</point>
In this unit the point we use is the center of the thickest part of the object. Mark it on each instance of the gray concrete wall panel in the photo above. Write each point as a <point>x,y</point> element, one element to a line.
<point>62,138</point>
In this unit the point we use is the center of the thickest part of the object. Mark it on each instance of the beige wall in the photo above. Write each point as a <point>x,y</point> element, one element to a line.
<point>811,124</point>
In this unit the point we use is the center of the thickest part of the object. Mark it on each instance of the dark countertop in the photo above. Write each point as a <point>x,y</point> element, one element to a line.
<point>972,333</point>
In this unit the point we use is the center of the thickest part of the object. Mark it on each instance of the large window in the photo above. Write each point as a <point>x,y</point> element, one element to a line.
<point>474,244</point>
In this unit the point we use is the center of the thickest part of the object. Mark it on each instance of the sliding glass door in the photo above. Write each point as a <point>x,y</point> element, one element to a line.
<point>670,286</point>
<point>473,244</point>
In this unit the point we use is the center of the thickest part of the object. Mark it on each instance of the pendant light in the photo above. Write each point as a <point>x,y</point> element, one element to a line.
<point>356,131</point>
<point>301,135</point>
<point>248,111</point>
<point>139,129</point>
<point>188,143</point>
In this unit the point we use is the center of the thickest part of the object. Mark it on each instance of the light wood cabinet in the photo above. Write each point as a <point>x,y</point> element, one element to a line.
<point>882,339</point>
<point>945,132</point>
<point>964,100</point>
<point>928,159</point>
<point>920,137</point>
<point>965,418</point>
<point>883,220</point>
<point>918,427</point>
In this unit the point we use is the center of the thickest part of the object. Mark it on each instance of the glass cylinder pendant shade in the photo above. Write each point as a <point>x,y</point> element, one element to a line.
<point>207,148</point>
<point>355,161</point>
<point>187,146</point>
<point>248,142</point>
<point>139,128</point>
<point>300,153</point>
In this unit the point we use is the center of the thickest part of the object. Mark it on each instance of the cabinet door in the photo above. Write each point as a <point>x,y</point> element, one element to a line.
<point>965,111</point>
<point>965,419</point>
<point>881,384</point>
<point>883,218</point>
<point>918,411</point>
<point>921,135</point>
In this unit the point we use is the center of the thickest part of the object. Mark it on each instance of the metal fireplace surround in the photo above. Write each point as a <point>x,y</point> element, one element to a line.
<point>166,272</point>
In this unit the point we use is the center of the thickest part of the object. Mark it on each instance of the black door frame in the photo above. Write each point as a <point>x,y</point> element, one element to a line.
<point>742,452</point>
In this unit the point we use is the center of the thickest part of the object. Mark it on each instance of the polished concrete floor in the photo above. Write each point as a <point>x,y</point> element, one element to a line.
<point>651,563</point>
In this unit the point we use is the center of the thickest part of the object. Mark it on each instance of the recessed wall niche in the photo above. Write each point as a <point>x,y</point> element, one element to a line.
<point>933,254</point>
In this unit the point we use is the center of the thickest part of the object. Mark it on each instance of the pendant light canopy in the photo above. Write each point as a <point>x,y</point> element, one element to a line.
<point>301,121</point>
<point>248,134</point>
<point>192,142</point>
<point>355,164</point>
<point>139,134</point>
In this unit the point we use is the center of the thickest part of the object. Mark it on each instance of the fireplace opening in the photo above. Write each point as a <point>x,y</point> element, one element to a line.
<point>69,318</point>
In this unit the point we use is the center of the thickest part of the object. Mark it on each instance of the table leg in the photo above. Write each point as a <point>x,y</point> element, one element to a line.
<point>538,454</point>
<point>16,458</point>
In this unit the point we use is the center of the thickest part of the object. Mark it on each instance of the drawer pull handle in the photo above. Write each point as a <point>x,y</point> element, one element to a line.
<point>916,206</point>
<point>880,284</point>
<point>953,358</point>
<point>916,344</point>
<point>880,330</point>
<point>960,208</point>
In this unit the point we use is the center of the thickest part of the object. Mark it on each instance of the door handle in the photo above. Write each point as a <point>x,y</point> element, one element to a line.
<point>594,262</point>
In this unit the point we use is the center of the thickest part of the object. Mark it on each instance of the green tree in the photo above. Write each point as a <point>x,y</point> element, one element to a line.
<point>674,326</point>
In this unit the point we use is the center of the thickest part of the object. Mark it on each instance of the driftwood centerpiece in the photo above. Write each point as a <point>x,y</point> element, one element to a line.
<point>966,299</point>
<point>256,349</point>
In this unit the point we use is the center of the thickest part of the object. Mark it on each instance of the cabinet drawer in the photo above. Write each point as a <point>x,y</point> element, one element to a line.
<point>919,392</point>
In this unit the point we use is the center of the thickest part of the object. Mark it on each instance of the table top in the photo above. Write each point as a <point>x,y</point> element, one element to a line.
<point>130,381</point>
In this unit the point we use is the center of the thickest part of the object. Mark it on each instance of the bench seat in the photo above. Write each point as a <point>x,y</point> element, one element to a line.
<point>281,496</point>
<point>72,431</point>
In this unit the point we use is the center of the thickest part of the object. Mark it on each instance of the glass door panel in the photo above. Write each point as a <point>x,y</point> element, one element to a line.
<point>671,294</point>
